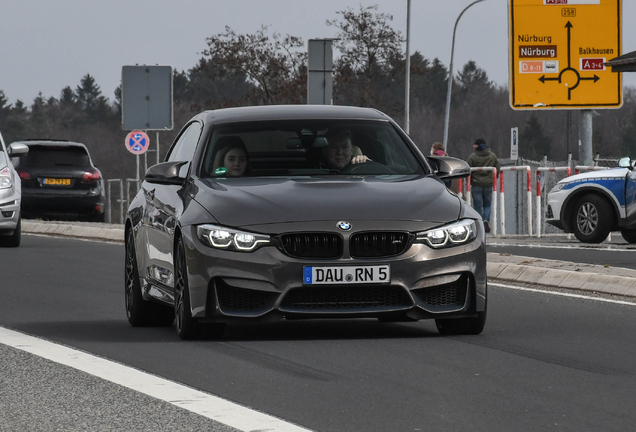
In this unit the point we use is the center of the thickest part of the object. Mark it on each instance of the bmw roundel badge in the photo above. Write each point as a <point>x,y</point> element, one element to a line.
<point>344,226</point>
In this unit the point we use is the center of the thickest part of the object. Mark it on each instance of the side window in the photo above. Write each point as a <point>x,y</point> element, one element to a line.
<point>183,149</point>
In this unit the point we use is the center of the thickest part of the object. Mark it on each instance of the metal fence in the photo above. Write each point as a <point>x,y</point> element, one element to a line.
<point>523,208</point>
<point>118,198</point>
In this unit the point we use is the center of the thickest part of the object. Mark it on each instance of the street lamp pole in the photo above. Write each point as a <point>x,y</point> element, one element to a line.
<point>450,78</point>
<point>407,79</point>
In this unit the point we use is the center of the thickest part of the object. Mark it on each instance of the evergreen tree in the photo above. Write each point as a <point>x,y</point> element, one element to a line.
<point>428,82</point>
<point>90,99</point>
<point>472,84</point>
<point>533,141</point>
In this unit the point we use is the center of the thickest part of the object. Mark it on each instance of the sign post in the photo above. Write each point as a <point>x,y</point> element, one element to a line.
<point>514,143</point>
<point>137,142</point>
<point>557,53</point>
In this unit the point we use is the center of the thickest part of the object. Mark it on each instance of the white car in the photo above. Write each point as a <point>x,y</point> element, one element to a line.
<point>10,194</point>
<point>595,203</point>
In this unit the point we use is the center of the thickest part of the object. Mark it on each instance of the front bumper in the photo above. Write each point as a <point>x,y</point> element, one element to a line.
<point>268,284</point>
<point>555,206</point>
<point>9,210</point>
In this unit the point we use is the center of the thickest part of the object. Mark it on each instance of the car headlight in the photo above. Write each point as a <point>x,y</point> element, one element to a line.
<point>5,178</point>
<point>227,238</point>
<point>557,187</point>
<point>455,234</point>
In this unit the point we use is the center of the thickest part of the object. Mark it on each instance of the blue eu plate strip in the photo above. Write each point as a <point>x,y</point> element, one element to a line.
<point>307,276</point>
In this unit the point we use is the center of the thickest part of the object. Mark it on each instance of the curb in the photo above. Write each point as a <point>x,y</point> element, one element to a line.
<point>111,233</point>
<point>551,277</point>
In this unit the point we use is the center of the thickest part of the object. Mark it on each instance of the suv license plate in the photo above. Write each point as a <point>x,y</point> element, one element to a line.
<point>347,275</point>
<point>57,181</point>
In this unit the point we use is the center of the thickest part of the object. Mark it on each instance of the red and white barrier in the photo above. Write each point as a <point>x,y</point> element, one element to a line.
<point>539,171</point>
<point>502,206</point>
<point>579,168</point>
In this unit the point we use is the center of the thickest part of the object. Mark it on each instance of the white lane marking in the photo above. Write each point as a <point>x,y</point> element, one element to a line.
<point>205,404</point>
<point>581,296</point>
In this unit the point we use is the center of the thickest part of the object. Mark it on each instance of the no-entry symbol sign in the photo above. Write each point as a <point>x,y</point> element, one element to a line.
<point>137,142</point>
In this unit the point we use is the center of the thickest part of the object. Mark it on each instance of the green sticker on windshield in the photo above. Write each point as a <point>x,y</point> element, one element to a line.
<point>220,171</point>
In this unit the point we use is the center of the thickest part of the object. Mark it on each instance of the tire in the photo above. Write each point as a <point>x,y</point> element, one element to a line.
<point>140,312</point>
<point>188,328</point>
<point>462,326</point>
<point>14,239</point>
<point>592,219</point>
<point>629,235</point>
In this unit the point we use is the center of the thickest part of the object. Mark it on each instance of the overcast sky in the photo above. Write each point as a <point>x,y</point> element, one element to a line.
<point>48,45</point>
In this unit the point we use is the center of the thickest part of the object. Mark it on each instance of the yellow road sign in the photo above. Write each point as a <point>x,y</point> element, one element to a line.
<point>557,53</point>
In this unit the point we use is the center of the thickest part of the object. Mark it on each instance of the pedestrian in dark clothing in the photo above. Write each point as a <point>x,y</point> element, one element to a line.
<point>481,181</point>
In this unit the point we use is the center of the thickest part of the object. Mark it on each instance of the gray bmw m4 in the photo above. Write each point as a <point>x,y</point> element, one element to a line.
<point>287,212</point>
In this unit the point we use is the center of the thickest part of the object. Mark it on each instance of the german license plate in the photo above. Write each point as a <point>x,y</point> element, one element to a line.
<point>347,275</point>
<point>57,181</point>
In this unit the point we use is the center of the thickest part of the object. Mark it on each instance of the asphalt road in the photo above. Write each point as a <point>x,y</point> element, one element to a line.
<point>544,362</point>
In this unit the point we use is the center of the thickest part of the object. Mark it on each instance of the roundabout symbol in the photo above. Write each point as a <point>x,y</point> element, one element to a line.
<point>569,70</point>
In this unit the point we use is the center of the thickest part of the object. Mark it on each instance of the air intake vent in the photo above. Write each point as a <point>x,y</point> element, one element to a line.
<point>450,294</point>
<point>346,298</point>
<point>378,244</point>
<point>312,245</point>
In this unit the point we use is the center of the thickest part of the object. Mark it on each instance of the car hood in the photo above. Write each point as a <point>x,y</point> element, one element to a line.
<point>255,201</point>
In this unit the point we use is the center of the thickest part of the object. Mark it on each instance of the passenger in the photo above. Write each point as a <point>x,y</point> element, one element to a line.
<point>340,152</point>
<point>232,159</point>
<point>437,149</point>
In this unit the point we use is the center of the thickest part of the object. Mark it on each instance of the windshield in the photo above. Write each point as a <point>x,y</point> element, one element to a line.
<point>307,147</point>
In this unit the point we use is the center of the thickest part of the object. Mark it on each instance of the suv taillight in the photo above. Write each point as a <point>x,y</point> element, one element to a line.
<point>90,176</point>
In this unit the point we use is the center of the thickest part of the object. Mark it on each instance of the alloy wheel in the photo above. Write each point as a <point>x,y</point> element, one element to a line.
<point>587,218</point>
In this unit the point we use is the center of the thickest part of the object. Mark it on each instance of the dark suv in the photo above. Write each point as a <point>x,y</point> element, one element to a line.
<point>60,180</point>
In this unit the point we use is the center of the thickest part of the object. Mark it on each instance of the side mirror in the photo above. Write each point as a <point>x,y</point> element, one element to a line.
<point>17,150</point>
<point>625,162</point>
<point>448,168</point>
<point>165,173</point>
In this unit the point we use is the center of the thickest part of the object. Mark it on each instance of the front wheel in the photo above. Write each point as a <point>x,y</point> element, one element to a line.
<point>593,219</point>
<point>140,312</point>
<point>462,326</point>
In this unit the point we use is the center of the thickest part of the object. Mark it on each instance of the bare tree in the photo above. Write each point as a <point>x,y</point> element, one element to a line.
<point>273,65</point>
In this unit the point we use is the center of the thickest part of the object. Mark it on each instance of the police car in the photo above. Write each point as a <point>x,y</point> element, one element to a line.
<point>593,204</point>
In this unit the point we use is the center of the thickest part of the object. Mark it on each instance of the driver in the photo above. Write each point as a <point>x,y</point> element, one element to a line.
<point>340,152</point>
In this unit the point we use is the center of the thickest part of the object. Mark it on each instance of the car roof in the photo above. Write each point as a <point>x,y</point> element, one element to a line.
<point>292,112</point>
<point>51,143</point>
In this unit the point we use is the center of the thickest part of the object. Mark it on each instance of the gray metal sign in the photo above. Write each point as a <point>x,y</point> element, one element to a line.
<point>146,97</point>
<point>320,67</point>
